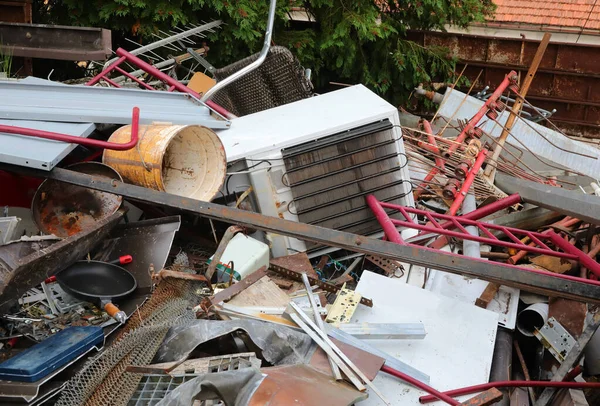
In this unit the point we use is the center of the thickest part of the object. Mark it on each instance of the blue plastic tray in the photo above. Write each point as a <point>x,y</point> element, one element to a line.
<point>44,358</point>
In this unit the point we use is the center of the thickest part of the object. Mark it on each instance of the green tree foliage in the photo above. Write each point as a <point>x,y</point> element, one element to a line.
<point>353,41</point>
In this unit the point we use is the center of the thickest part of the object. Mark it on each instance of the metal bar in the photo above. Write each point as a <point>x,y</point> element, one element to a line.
<point>583,258</point>
<point>593,322</point>
<point>385,331</point>
<point>328,287</point>
<point>311,299</point>
<point>486,231</point>
<point>534,280</point>
<point>124,55</point>
<point>468,182</point>
<point>130,76</point>
<point>216,260</point>
<point>432,220</point>
<point>390,361</point>
<point>516,107</point>
<point>569,202</point>
<point>510,235</point>
<point>255,64</point>
<point>322,335</point>
<point>388,226</point>
<point>536,240</point>
<point>328,350</point>
<point>464,235</point>
<point>71,139</point>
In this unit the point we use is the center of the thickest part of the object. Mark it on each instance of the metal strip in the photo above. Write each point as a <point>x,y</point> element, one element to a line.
<point>534,280</point>
<point>328,287</point>
<point>337,138</point>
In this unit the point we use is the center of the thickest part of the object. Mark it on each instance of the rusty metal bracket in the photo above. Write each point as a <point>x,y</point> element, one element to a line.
<point>216,260</point>
<point>532,280</point>
<point>327,287</point>
<point>233,290</point>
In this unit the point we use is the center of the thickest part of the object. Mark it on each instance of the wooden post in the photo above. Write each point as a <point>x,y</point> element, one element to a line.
<point>490,171</point>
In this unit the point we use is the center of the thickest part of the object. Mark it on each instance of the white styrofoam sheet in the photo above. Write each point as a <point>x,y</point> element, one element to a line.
<point>456,352</point>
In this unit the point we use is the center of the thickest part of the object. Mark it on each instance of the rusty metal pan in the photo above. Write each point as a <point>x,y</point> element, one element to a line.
<point>64,210</point>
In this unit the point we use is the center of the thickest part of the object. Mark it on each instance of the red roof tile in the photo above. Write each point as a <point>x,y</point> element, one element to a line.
<point>562,13</point>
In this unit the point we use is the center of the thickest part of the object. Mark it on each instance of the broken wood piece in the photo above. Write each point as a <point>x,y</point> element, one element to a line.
<point>286,285</point>
<point>263,293</point>
<point>553,264</point>
<point>487,398</point>
<point>487,295</point>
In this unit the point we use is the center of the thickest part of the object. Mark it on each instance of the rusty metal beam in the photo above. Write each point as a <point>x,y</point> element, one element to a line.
<point>531,280</point>
<point>55,41</point>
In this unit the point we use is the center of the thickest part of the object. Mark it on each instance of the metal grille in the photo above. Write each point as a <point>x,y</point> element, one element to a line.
<point>279,80</point>
<point>103,380</point>
<point>331,177</point>
<point>153,388</point>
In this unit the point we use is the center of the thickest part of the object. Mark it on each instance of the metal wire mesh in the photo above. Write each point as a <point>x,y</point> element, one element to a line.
<point>103,380</point>
<point>279,80</point>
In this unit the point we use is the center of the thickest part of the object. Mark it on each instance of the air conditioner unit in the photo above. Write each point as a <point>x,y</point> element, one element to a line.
<point>315,161</point>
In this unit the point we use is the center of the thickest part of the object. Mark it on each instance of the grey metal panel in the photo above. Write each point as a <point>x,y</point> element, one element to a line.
<point>37,152</point>
<point>35,101</point>
<point>569,202</point>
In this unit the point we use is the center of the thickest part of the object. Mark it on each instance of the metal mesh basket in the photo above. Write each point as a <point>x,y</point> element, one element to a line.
<point>279,80</point>
<point>102,380</point>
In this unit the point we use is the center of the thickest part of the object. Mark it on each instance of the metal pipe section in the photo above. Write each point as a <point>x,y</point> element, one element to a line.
<point>532,318</point>
<point>437,395</point>
<point>512,384</point>
<point>584,259</point>
<point>384,220</point>
<point>173,84</point>
<point>502,361</point>
<point>71,139</point>
<point>467,183</point>
<point>247,69</point>
<point>471,248</point>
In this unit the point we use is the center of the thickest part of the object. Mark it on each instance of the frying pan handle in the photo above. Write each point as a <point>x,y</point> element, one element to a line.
<point>114,312</point>
<point>122,260</point>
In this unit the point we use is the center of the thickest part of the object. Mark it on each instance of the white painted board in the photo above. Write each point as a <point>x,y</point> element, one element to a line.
<point>456,352</point>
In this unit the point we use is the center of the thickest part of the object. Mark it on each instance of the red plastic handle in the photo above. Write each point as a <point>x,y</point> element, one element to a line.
<point>125,259</point>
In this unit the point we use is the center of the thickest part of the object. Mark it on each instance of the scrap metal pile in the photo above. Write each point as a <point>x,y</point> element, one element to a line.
<point>157,249</point>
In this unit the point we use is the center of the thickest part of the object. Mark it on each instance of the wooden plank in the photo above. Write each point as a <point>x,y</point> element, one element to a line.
<point>263,293</point>
<point>487,398</point>
<point>487,295</point>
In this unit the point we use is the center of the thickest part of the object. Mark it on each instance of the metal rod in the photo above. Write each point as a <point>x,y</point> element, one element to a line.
<point>468,182</point>
<point>534,280</point>
<point>249,68</point>
<point>30,132</point>
<point>311,299</point>
<point>437,395</point>
<point>583,258</point>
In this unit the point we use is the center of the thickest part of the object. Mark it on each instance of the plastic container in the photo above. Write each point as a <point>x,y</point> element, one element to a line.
<point>247,254</point>
<point>183,160</point>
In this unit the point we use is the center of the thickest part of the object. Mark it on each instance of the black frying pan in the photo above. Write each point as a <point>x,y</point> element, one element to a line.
<point>98,282</point>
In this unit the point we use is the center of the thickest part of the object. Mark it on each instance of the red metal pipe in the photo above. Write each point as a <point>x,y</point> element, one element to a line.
<point>173,84</point>
<point>479,115</point>
<point>468,181</point>
<point>584,259</point>
<point>384,220</point>
<point>512,384</point>
<point>135,119</point>
<point>437,395</point>
<point>434,171</point>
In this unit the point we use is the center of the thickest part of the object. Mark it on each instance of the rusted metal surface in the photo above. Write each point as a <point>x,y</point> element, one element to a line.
<point>65,210</point>
<point>368,363</point>
<point>489,397</point>
<point>56,41</point>
<point>532,280</point>
<point>391,268</point>
<point>233,290</point>
<point>302,385</point>
<point>570,314</point>
<point>31,270</point>
<point>567,80</point>
<point>328,287</point>
<point>216,260</point>
<point>16,11</point>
